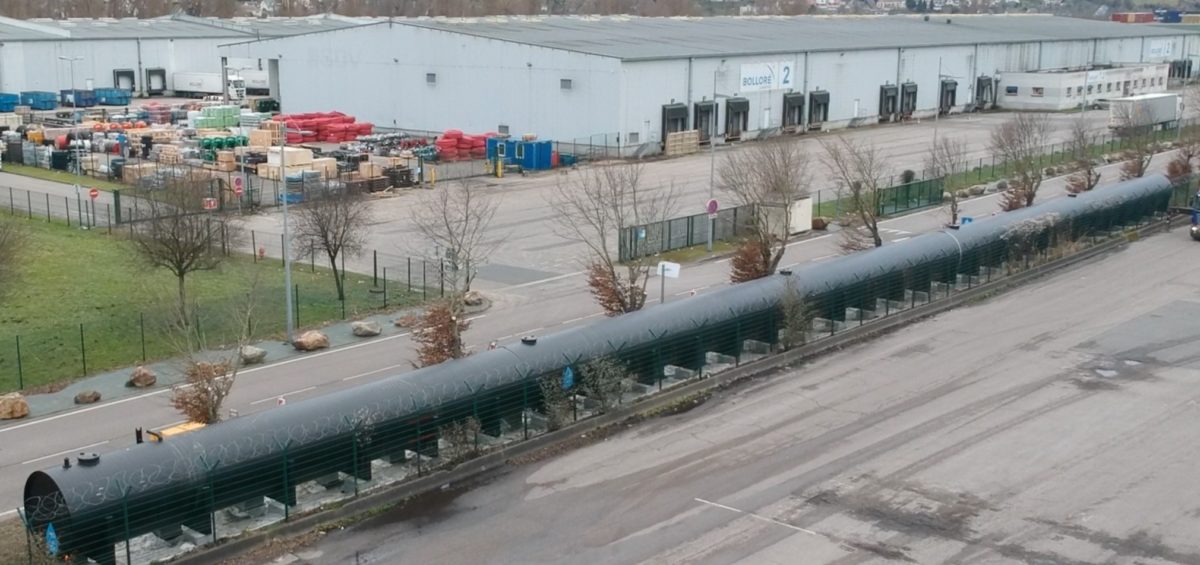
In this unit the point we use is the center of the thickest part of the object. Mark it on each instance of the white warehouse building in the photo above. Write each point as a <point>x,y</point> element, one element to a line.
<point>140,55</point>
<point>637,79</point>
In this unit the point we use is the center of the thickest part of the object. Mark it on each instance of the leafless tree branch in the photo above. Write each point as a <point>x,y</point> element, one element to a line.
<point>769,178</point>
<point>335,225</point>
<point>859,170</point>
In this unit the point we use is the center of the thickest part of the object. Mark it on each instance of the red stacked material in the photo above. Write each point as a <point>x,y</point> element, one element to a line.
<point>331,127</point>
<point>454,144</point>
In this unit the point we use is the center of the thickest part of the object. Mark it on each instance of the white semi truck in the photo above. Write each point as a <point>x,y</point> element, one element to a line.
<point>1161,109</point>
<point>208,84</point>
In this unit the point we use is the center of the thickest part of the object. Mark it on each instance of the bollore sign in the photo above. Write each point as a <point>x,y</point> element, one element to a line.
<point>767,76</point>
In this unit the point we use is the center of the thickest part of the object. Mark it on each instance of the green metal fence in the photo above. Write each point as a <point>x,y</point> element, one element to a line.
<point>367,453</point>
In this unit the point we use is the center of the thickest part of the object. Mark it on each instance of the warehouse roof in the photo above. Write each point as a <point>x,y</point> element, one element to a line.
<point>634,38</point>
<point>177,26</point>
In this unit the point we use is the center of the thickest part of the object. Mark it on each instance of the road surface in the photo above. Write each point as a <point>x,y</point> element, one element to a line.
<point>1057,423</point>
<point>518,310</point>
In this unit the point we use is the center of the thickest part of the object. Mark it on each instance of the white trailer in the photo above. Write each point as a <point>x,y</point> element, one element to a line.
<point>207,84</point>
<point>257,82</point>
<point>1145,110</point>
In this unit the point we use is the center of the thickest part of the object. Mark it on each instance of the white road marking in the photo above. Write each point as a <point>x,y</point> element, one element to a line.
<point>171,425</point>
<point>165,390</point>
<point>286,394</point>
<point>473,318</point>
<point>898,240</point>
<point>7,512</point>
<point>764,518</point>
<point>529,332</point>
<point>821,258</point>
<point>380,370</point>
<point>99,443</point>
<point>542,281</point>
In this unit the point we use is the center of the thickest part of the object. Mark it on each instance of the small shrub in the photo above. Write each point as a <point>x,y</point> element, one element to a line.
<point>907,176</point>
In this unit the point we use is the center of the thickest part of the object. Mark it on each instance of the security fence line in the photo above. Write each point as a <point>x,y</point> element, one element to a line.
<point>202,498</point>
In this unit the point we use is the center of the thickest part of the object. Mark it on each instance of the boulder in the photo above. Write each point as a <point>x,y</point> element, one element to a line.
<point>975,190</point>
<point>141,378</point>
<point>407,321</point>
<point>87,397</point>
<point>13,406</point>
<point>252,355</point>
<point>1001,184</point>
<point>473,298</point>
<point>962,193</point>
<point>367,328</point>
<point>311,340</point>
<point>819,223</point>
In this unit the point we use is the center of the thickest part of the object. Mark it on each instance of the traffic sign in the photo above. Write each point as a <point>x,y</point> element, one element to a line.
<point>94,193</point>
<point>210,203</point>
<point>712,208</point>
<point>238,186</point>
<point>668,269</point>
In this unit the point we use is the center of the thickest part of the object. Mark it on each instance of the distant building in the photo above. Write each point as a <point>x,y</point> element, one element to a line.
<point>1069,88</point>
<point>628,82</point>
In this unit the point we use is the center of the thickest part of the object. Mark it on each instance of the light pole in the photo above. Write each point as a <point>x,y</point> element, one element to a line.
<point>712,153</point>
<point>287,242</point>
<point>78,143</point>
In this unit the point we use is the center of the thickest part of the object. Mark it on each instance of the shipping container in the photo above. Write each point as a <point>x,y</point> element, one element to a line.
<point>1145,110</point>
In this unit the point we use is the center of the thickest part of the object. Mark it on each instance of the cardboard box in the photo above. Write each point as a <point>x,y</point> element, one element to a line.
<point>290,157</point>
<point>272,172</point>
<point>226,157</point>
<point>327,166</point>
<point>261,137</point>
<point>368,169</point>
<point>226,166</point>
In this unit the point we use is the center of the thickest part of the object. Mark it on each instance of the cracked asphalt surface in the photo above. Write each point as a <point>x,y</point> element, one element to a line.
<point>1057,423</point>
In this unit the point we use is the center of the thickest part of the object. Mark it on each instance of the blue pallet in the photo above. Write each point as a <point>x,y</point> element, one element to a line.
<point>77,98</point>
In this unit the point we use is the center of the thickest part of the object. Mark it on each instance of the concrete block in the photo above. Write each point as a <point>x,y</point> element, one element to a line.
<point>398,457</point>
<point>916,297</point>
<point>330,481</point>
<point>753,346</point>
<point>821,324</point>
<point>939,290</point>
<point>964,281</point>
<point>678,373</point>
<point>855,316</point>
<point>887,307</point>
<point>717,358</point>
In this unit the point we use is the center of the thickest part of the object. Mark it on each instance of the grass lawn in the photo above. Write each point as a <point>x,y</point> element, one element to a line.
<point>72,278</point>
<point>61,176</point>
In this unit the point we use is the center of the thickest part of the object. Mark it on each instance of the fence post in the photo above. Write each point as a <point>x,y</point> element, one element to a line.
<point>424,283</point>
<point>29,204</point>
<point>67,203</point>
<point>20,371</point>
<point>408,273</point>
<point>253,247</point>
<point>286,485</point>
<point>296,294</point>
<point>108,208</point>
<point>442,276</point>
<point>375,267</point>
<point>282,252</point>
<point>125,520</point>
<point>142,325</point>
<point>47,207</point>
<point>312,260</point>
<point>385,302</point>
<point>12,207</point>
<point>82,350</point>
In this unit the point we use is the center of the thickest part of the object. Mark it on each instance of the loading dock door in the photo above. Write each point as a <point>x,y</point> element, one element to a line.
<point>947,100</point>
<point>818,107</point>
<point>793,110</point>
<point>706,120</point>
<point>674,118</point>
<point>737,117</point>
<point>985,93</point>
<point>889,102</point>
<point>123,78</point>
<point>908,99</point>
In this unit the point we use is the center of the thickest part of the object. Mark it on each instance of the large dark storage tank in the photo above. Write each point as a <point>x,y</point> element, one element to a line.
<point>150,486</point>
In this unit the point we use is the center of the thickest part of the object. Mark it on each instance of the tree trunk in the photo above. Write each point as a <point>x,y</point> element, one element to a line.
<point>337,276</point>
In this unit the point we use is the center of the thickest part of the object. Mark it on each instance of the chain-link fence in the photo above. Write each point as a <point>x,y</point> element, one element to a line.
<point>398,433</point>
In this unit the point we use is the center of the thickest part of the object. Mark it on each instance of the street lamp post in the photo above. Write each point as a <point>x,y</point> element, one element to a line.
<point>78,142</point>
<point>287,242</point>
<point>712,163</point>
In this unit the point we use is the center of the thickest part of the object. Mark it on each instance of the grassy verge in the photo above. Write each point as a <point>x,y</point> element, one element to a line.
<point>72,279</point>
<point>697,252</point>
<point>61,176</point>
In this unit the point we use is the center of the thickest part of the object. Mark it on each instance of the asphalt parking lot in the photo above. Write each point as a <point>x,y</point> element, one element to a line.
<point>1057,423</point>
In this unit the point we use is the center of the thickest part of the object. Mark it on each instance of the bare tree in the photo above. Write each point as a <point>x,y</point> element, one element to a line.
<point>600,203</point>
<point>12,242</point>
<point>768,178</point>
<point>1086,176</point>
<point>176,235</point>
<point>455,220</point>
<point>1018,142</point>
<point>1137,139</point>
<point>1187,150</point>
<point>334,224</point>
<point>208,381</point>
<point>947,157</point>
<point>859,170</point>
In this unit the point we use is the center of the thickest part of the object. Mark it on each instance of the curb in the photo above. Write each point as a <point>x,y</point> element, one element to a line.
<point>498,460</point>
